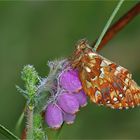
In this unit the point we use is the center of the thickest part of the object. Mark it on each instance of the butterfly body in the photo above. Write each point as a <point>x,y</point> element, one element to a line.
<point>105,82</point>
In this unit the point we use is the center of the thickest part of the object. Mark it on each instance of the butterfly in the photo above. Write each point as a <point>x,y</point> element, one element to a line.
<point>105,82</point>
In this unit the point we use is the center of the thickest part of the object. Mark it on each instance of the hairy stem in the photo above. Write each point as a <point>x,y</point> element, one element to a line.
<point>29,123</point>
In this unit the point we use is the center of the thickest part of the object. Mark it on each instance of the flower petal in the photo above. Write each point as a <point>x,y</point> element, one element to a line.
<point>68,102</point>
<point>69,118</point>
<point>82,98</point>
<point>53,116</point>
<point>70,81</point>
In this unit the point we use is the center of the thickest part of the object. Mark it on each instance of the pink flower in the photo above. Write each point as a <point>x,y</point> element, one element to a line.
<point>81,97</point>
<point>68,102</point>
<point>69,118</point>
<point>53,116</point>
<point>69,80</point>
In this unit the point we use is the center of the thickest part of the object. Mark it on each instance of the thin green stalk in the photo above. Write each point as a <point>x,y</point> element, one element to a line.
<point>8,134</point>
<point>108,24</point>
<point>18,124</point>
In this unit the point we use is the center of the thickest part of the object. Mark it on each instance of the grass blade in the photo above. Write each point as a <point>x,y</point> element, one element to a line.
<point>18,124</point>
<point>8,134</point>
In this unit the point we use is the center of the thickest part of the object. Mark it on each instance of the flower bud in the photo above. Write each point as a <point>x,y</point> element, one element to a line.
<point>69,118</point>
<point>82,98</point>
<point>68,102</point>
<point>53,116</point>
<point>70,81</point>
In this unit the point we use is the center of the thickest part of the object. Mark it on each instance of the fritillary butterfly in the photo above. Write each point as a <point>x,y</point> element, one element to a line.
<point>105,82</point>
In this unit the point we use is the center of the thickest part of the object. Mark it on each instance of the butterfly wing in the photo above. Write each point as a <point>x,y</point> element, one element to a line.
<point>106,83</point>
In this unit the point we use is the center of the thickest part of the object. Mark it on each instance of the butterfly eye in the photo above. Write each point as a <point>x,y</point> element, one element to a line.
<point>80,50</point>
<point>81,47</point>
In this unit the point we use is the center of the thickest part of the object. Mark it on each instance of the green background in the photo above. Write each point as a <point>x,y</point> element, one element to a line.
<point>35,32</point>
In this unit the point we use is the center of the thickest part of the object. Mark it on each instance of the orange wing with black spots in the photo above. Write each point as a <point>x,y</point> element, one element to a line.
<point>103,81</point>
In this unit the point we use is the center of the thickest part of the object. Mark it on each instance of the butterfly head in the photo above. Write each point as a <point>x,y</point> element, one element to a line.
<point>81,47</point>
<point>82,52</point>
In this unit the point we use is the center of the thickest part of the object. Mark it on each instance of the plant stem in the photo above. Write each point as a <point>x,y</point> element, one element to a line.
<point>7,133</point>
<point>118,25</point>
<point>108,24</point>
<point>18,124</point>
<point>29,123</point>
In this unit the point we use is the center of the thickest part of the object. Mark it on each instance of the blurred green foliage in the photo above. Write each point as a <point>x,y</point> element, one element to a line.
<point>35,32</point>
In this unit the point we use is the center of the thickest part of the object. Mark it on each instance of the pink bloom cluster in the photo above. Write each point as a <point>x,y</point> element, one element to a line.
<point>68,101</point>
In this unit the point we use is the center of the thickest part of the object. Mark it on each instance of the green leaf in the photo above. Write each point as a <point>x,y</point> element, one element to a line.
<point>8,134</point>
<point>23,92</point>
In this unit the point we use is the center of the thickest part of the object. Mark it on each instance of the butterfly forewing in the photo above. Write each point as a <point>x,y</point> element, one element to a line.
<point>105,82</point>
